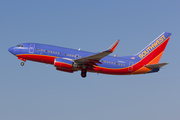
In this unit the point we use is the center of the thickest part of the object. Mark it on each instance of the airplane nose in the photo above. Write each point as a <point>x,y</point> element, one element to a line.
<point>11,50</point>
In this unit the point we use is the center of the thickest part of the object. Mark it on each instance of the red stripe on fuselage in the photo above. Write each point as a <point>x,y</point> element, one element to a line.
<point>38,58</point>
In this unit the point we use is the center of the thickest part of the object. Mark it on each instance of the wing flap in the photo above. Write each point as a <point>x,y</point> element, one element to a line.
<point>153,66</point>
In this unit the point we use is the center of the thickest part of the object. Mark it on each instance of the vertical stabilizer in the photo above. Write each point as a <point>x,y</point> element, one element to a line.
<point>152,53</point>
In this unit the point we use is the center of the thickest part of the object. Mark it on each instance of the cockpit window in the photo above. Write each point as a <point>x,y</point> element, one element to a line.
<point>20,46</point>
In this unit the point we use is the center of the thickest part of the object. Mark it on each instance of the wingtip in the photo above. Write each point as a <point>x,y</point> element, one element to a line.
<point>113,47</point>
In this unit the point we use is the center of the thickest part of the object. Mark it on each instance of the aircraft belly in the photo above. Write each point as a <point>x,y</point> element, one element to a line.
<point>120,71</point>
<point>38,58</point>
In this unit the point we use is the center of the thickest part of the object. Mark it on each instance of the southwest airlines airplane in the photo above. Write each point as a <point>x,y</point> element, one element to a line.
<point>70,60</point>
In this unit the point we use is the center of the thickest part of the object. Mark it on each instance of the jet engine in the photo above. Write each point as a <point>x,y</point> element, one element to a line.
<point>63,65</point>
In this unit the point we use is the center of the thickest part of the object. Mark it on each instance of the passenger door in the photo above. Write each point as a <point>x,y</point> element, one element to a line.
<point>31,48</point>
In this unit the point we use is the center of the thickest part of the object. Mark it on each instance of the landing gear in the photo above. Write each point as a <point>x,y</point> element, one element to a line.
<point>24,60</point>
<point>83,73</point>
<point>22,63</point>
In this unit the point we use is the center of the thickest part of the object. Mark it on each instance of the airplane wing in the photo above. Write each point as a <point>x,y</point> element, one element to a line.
<point>153,66</point>
<point>93,59</point>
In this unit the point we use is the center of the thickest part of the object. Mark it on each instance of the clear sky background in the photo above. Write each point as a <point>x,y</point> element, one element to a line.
<point>39,92</point>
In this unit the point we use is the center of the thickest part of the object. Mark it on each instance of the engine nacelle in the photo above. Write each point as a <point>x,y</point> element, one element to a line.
<point>63,63</point>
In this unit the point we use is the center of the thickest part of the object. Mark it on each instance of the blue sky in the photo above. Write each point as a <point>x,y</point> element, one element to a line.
<point>39,92</point>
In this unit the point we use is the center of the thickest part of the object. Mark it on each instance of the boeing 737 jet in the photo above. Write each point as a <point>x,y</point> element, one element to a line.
<point>71,60</point>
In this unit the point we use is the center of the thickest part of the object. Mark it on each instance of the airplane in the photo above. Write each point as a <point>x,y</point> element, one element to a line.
<point>71,60</point>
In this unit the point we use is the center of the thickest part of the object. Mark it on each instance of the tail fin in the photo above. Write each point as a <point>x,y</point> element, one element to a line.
<point>152,53</point>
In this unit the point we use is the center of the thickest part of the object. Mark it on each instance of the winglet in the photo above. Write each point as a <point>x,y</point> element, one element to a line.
<point>112,48</point>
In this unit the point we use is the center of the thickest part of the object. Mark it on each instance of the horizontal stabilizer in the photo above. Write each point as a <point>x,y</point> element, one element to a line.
<point>153,66</point>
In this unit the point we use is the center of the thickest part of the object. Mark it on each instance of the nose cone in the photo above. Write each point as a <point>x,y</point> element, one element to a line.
<point>11,50</point>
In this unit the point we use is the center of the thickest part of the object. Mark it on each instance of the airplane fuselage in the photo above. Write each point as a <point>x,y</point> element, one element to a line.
<point>47,53</point>
<point>70,60</point>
